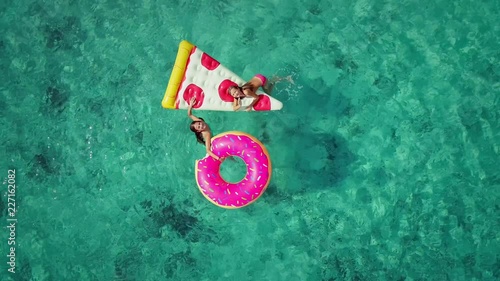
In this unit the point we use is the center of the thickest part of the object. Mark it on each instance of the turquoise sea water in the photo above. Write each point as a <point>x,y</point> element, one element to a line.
<point>386,153</point>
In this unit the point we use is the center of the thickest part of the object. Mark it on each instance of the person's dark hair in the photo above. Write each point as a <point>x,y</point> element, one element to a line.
<point>245,86</point>
<point>230,87</point>
<point>235,87</point>
<point>199,136</point>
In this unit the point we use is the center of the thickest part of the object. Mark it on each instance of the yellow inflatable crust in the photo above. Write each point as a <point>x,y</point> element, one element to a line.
<point>177,74</point>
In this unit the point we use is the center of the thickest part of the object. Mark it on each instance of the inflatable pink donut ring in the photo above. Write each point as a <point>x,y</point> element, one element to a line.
<point>234,195</point>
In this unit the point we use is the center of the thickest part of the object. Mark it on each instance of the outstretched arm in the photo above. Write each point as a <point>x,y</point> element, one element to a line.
<point>208,145</point>
<point>190,109</point>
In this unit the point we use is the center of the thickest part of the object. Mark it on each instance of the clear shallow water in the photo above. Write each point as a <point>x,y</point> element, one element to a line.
<point>385,155</point>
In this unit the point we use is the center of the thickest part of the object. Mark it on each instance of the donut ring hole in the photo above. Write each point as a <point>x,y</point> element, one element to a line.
<point>233,169</point>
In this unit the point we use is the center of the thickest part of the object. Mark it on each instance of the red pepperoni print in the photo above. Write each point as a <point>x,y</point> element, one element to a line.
<point>194,91</point>
<point>208,62</point>
<point>264,103</point>
<point>223,94</point>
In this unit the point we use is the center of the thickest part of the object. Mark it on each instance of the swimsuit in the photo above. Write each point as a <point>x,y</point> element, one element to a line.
<point>262,78</point>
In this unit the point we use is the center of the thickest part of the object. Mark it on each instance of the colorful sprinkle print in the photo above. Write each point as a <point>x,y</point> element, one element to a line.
<point>229,195</point>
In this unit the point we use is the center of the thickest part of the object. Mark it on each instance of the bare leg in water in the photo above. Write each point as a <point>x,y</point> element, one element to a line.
<point>268,88</point>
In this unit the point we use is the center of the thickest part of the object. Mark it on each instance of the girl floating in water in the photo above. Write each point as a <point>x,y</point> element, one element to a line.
<point>249,89</point>
<point>201,130</point>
